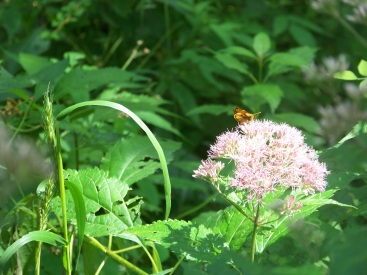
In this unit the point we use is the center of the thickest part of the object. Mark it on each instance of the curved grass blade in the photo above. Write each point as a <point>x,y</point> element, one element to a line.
<point>143,126</point>
<point>40,236</point>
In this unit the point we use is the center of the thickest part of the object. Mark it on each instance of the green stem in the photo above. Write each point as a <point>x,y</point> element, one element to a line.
<point>233,203</point>
<point>114,256</point>
<point>63,199</point>
<point>256,225</point>
<point>260,63</point>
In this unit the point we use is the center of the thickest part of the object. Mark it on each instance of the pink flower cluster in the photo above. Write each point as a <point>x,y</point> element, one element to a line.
<point>266,156</point>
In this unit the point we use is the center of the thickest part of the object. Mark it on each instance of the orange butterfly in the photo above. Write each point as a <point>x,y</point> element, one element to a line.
<point>243,116</point>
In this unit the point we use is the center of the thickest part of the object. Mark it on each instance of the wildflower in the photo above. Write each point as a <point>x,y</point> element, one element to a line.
<point>325,71</point>
<point>266,156</point>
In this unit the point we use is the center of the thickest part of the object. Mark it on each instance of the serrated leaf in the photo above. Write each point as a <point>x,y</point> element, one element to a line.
<point>345,75</point>
<point>127,159</point>
<point>362,67</point>
<point>196,243</point>
<point>108,212</point>
<point>232,225</point>
<point>261,44</point>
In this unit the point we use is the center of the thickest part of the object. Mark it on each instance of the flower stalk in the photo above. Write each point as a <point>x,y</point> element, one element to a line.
<point>265,158</point>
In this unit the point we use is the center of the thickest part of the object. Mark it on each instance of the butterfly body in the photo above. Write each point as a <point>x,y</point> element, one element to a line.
<point>243,116</point>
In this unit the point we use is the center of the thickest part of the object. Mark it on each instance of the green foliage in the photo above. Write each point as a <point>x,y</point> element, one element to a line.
<point>174,71</point>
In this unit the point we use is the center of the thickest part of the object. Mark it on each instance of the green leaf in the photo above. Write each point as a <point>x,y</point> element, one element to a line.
<point>32,63</point>
<point>80,212</point>
<point>262,93</point>
<point>280,24</point>
<point>363,84</point>
<point>345,75</point>
<point>302,36</point>
<point>78,83</point>
<point>261,44</point>
<point>232,225</point>
<point>362,67</point>
<point>239,51</point>
<point>195,243</point>
<point>158,121</point>
<point>108,211</point>
<point>232,63</point>
<point>157,146</point>
<point>126,160</point>
<point>40,236</point>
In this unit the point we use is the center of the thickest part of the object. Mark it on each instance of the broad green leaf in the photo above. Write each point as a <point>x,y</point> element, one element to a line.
<point>32,63</point>
<point>157,146</point>
<point>158,121</point>
<point>232,63</point>
<point>232,225</point>
<point>362,67</point>
<point>284,62</point>
<point>108,211</point>
<point>298,57</point>
<point>195,243</point>
<point>40,236</point>
<point>302,35</point>
<point>262,93</point>
<point>345,75</point>
<point>127,159</point>
<point>298,120</point>
<point>280,24</point>
<point>78,83</point>
<point>261,44</point>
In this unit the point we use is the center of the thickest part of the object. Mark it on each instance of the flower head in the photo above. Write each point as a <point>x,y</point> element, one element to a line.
<point>266,156</point>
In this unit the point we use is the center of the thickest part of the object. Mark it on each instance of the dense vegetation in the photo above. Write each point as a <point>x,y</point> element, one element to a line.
<point>108,107</point>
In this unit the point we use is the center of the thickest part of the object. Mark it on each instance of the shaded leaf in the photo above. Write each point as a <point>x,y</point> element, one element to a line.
<point>195,243</point>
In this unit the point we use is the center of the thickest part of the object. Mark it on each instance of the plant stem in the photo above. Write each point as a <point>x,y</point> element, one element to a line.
<point>233,203</point>
<point>63,199</point>
<point>256,225</point>
<point>114,256</point>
